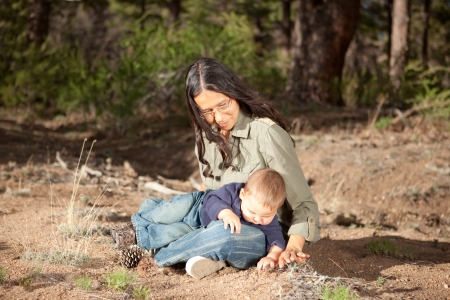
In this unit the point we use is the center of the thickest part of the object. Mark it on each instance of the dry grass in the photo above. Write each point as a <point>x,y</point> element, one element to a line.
<point>308,284</point>
<point>72,236</point>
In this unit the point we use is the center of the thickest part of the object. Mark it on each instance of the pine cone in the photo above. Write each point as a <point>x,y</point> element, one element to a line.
<point>131,256</point>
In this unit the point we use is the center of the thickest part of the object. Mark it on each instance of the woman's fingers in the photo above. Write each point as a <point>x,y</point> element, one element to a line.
<point>291,256</point>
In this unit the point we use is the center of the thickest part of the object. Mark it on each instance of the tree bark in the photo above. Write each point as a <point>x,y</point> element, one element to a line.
<point>425,19</point>
<point>286,25</point>
<point>143,10</point>
<point>97,42</point>
<point>323,30</point>
<point>399,41</point>
<point>175,9</point>
<point>389,27</point>
<point>38,20</point>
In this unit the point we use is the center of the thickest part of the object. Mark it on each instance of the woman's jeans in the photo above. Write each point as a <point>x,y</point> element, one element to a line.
<point>176,224</point>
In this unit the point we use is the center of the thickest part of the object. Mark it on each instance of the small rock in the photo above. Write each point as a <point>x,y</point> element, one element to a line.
<point>69,277</point>
<point>96,284</point>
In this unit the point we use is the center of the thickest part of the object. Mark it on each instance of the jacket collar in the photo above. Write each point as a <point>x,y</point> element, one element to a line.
<point>242,127</point>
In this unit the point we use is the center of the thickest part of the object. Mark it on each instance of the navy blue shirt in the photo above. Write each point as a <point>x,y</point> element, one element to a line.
<point>227,197</point>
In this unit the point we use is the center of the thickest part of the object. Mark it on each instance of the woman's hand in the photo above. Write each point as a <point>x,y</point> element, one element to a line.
<point>294,251</point>
<point>230,218</point>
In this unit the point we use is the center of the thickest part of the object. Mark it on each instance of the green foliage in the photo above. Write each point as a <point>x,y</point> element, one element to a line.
<point>426,89</point>
<point>380,280</point>
<point>84,282</point>
<point>141,292</point>
<point>3,274</point>
<point>421,88</point>
<point>140,67</point>
<point>34,78</point>
<point>389,248</point>
<point>13,14</point>
<point>383,247</point>
<point>435,244</point>
<point>383,123</point>
<point>119,280</point>
<point>28,279</point>
<point>362,88</point>
<point>340,292</point>
<point>146,75</point>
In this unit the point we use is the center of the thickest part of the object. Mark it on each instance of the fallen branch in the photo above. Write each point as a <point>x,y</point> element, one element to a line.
<point>161,188</point>
<point>90,171</point>
<point>416,108</point>
<point>61,162</point>
<point>433,167</point>
<point>194,183</point>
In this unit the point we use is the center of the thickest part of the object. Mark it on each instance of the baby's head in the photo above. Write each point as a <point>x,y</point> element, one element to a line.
<point>262,195</point>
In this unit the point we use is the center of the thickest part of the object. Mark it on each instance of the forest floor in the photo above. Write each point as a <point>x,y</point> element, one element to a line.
<point>383,197</point>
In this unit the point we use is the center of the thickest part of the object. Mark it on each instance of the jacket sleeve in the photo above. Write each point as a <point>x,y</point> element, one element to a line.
<point>300,211</point>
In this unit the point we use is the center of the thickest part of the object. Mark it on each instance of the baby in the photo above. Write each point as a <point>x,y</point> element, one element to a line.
<point>254,203</point>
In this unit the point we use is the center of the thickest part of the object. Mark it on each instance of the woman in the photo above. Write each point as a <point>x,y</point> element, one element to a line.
<point>236,133</point>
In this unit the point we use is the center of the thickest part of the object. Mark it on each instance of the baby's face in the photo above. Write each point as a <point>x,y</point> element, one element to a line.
<point>254,211</point>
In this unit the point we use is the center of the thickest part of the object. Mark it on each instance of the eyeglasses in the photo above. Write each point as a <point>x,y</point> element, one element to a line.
<point>222,108</point>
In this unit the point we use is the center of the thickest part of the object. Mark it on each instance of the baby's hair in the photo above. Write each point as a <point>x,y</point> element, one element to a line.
<point>267,185</point>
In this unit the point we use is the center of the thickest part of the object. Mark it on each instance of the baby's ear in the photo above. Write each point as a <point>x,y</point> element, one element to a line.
<point>242,192</point>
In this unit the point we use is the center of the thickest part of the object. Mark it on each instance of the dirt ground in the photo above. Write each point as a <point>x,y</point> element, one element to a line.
<point>372,187</point>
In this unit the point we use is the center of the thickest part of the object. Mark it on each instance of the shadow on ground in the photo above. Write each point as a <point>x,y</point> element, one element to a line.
<point>355,260</point>
<point>169,153</point>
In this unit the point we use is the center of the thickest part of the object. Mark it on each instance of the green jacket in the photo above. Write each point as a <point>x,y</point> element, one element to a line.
<point>260,143</point>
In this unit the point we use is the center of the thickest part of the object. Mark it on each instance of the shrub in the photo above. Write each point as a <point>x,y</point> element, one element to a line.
<point>145,75</point>
<point>141,292</point>
<point>340,292</point>
<point>84,282</point>
<point>119,280</point>
<point>389,248</point>
<point>3,274</point>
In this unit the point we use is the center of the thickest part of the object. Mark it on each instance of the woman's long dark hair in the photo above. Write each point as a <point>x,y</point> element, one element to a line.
<point>210,74</point>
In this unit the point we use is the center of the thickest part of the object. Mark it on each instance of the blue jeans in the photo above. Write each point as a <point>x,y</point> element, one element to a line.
<point>160,222</point>
<point>177,224</point>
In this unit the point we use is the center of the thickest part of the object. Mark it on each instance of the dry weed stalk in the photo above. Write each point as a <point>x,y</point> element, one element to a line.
<point>70,240</point>
<point>79,226</point>
<point>306,283</point>
<point>373,118</point>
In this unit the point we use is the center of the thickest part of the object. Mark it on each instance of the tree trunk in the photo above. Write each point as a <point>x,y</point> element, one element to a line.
<point>389,27</point>
<point>38,20</point>
<point>322,33</point>
<point>425,19</point>
<point>97,42</point>
<point>175,9</point>
<point>143,10</point>
<point>399,41</point>
<point>286,25</point>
